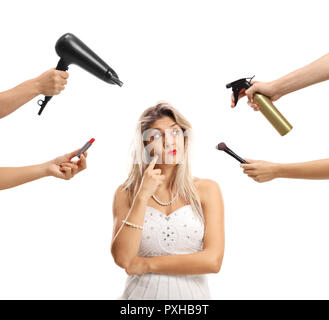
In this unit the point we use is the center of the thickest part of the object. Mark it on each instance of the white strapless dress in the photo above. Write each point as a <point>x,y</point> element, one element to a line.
<point>179,233</point>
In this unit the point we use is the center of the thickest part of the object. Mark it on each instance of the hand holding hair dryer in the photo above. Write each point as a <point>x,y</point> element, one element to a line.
<point>267,108</point>
<point>72,50</point>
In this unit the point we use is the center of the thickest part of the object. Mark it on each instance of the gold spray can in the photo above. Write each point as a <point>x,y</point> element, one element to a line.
<point>272,114</point>
<point>267,108</point>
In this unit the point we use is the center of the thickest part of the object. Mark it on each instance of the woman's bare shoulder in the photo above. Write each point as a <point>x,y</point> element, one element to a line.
<point>206,188</point>
<point>205,183</point>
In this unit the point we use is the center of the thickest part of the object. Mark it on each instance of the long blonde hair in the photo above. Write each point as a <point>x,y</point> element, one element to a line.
<point>183,181</point>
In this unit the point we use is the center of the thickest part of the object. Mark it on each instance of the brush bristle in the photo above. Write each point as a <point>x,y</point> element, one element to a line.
<point>221,146</point>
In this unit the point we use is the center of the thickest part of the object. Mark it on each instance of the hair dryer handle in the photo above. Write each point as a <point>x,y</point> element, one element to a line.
<point>61,65</point>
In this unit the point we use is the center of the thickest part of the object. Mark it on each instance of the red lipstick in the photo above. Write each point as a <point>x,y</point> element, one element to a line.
<point>173,152</point>
<point>85,147</point>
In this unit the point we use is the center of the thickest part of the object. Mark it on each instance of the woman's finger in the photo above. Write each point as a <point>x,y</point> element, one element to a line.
<point>63,74</point>
<point>72,165</point>
<point>241,95</point>
<point>249,161</point>
<point>67,172</point>
<point>251,91</point>
<point>152,163</point>
<point>82,162</point>
<point>248,171</point>
<point>248,166</point>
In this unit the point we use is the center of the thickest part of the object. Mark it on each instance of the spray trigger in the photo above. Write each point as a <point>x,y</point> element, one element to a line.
<point>238,85</point>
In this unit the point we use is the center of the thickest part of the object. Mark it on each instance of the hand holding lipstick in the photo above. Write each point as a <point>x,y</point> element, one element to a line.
<point>63,168</point>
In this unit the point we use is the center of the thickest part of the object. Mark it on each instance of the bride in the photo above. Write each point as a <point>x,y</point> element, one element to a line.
<point>168,230</point>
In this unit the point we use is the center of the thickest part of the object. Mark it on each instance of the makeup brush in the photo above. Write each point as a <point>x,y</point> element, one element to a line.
<point>223,147</point>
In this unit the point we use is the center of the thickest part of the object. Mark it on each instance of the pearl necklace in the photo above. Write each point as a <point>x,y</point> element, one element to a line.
<point>165,203</point>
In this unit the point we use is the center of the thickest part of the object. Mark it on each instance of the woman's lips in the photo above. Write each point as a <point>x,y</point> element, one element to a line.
<point>173,152</point>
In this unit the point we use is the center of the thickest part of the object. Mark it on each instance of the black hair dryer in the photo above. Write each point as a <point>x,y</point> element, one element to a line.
<point>73,51</point>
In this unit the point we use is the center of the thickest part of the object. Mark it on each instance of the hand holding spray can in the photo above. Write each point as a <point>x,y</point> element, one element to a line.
<point>266,107</point>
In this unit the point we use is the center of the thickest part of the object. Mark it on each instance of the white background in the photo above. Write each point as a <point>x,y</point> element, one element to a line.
<point>55,235</point>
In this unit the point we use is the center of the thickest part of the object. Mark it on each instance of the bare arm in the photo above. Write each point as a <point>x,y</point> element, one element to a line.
<point>262,171</point>
<point>205,261</point>
<point>126,239</point>
<point>12,177</point>
<point>209,260</point>
<point>315,72</point>
<point>317,169</point>
<point>60,167</point>
<point>49,83</point>
<point>12,99</point>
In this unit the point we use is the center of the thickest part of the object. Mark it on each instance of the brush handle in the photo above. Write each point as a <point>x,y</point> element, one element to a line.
<point>235,156</point>
<point>61,65</point>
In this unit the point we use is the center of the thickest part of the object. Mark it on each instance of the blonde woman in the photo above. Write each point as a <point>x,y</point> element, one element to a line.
<point>168,228</point>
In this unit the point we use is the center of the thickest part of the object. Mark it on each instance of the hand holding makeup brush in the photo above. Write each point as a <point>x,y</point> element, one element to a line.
<point>260,171</point>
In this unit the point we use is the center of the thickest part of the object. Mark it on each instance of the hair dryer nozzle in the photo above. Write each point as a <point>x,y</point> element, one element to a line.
<point>112,78</point>
<point>117,81</point>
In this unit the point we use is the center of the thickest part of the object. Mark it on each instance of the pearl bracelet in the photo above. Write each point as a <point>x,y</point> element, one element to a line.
<point>132,224</point>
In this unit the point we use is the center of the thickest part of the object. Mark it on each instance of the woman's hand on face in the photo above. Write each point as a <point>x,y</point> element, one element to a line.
<point>51,82</point>
<point>63,168</point>
<point>259,170</point>
<point>137,266</point>
<point>266,88</point>
<point>152,178</point>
